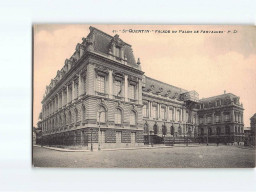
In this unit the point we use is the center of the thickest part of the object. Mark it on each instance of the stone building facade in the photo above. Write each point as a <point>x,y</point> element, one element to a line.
<point>102,96</point>
<point>221,119</point>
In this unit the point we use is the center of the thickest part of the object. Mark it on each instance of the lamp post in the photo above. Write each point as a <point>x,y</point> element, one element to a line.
<point>207,136</point>
<point>151,141</point>
<point>91,140</point>
<point>99,131</point>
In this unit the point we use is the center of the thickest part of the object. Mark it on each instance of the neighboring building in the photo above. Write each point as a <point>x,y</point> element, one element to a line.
<point>253,124</point>
<point>247,131</point>
<point>253,130</point>
<point>221,117</point>
<point>101,95</point>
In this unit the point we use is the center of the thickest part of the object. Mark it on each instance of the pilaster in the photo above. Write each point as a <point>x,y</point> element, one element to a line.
<point>110,83</point>
<point>126,88</point>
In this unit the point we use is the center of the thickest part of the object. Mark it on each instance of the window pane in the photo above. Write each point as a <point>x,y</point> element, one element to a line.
<point>101,84</point>
<point>118,116</point>
<point>132,91</point>
<point>132,118</point>
<point>117,88</point>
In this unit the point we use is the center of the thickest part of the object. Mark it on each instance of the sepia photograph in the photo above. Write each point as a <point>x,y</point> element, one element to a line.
<point>144,96</point>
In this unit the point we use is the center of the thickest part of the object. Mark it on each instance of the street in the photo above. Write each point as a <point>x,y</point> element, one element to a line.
<point>176,157</point>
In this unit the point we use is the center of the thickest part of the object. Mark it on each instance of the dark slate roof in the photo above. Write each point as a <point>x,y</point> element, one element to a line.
<point>164,89</point>
<point>222,97</point>
<point>254,116</point>
<point>102,42</point>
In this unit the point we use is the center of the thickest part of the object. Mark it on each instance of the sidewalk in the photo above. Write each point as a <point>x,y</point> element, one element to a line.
<point>115,149</point>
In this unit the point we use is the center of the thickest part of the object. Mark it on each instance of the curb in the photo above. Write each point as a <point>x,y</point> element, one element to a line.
<point>61,149</point>
<point>112,149</point>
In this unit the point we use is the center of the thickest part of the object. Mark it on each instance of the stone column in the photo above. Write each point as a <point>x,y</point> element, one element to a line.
<point>62,98</point>
<point>110,83</point>
<point>73,90</point>
<point>167,113</point>
<point>149,108</point>
<point>80,85</point>
<point>213,118</point>
<point>67,95</point>
<point>140,91</point>
<point>158,111</point>
<point>126,88</point>
<point>233,116</point>
<point>58,102</point>
<point>174,113</point>
<point>221,116</point>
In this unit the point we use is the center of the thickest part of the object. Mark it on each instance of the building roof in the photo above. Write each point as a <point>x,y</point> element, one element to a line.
<point>102,43</point>
<point>160,88</point>
<point>222,96</point>
<point>254,116</point>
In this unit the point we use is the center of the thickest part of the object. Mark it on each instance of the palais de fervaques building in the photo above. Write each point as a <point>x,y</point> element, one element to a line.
<point>102,96</point>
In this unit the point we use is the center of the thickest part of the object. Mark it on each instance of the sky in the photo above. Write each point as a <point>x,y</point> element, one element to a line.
<point>208,63</point>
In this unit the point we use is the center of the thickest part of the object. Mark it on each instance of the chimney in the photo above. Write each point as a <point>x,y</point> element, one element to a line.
<point>224,91</point>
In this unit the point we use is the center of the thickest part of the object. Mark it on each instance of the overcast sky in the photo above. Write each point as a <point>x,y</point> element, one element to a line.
<point>207,63</point>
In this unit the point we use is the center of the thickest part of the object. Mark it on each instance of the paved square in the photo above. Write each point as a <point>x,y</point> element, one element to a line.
<point>175,157</point>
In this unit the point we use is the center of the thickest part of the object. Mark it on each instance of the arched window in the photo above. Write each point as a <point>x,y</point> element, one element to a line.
<point>69,117</point>
<point>155,128</point>
<point>145,128</point>
<point>180,130</point>
<point>132,118</point>
<point>76,115</point>
<point>83,113</point>
<point>209,131</point>
<point>164,129</point>
<point>218,130</point>
<point>101,115</point>
<point>64,119</point>
<point>227,130</point>
<point>118,116</point>
<point>202,131</point>
<point>60,121</point>
<point>172,130</point>
<point>57,121</point>
<point>53,123</point>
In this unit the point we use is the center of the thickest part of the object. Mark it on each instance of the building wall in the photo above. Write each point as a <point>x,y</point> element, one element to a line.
<point>72,101</point>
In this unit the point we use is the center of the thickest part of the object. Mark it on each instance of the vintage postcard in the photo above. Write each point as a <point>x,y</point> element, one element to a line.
<point>144,96</point>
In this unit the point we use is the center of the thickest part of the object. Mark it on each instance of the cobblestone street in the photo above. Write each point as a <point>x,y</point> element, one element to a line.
<point>203,156</point>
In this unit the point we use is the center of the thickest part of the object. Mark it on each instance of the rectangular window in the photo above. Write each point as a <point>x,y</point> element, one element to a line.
<point>217,118</point>
<point>118,137</point>
<point>171,114</point>
<point>118,117</point>
<point>187,117</point>
<point>145,110</point>
<point>154,111</point>
<point>101,84</point>
<point>178,117</point>
<point>227,118</point>
<point>209,119</point>
<point>132,92</point>
<point>201,120</point>
<point>163,113</point>
<point>117,88</point>
<point>132,118</point>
